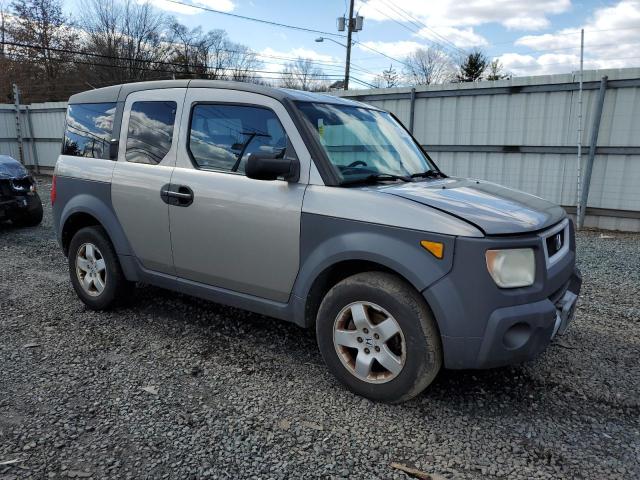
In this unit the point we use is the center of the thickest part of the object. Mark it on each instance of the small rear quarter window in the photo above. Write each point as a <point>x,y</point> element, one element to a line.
<point>150,131</point>
<point>88,129</point>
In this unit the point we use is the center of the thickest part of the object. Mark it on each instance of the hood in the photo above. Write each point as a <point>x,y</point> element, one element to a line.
<point>11,168</point>
<point>495,209</point>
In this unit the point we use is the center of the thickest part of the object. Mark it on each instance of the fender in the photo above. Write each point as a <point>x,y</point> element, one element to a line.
<point>76,195</point>
<point>326,241</point>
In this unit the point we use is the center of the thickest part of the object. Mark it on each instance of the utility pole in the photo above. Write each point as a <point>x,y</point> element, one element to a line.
<point>350,28</point>
<point>353,24</point>
<point>2,34</point>
<point>579,205</point>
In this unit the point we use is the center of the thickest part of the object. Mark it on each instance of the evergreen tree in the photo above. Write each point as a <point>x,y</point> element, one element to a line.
<point>472,67</point>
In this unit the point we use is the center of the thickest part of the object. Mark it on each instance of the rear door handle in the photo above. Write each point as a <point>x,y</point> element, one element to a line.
<point>177,195</point>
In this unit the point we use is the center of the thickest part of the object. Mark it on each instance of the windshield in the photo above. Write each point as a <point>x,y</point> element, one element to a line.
<point>361,142</point>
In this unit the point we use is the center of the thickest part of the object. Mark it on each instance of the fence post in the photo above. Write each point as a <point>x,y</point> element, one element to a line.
<point>595,128</point>
<point>412,109</point>
<point>16,104</point>
<point>32,139</point>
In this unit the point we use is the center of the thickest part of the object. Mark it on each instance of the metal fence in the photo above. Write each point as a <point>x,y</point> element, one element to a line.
<point>523,133</point>
<point>520,133</point>
<point>39,126</point>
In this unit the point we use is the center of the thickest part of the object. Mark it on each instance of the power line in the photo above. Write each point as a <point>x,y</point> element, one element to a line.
<point>253,19</point>
<point>239,71</point>
<point>149,61</point>
<point>420,24</point>
<point>279,75</point>
<point>391,18</point>
<point>278,24</point>
<point>325,63</point>
<point>358,42</point>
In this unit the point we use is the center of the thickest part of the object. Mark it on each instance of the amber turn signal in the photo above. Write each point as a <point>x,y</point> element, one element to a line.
<point>435,248</point>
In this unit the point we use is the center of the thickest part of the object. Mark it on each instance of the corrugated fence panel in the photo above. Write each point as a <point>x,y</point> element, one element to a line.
<point>47,120</point>
<point>523,133</point>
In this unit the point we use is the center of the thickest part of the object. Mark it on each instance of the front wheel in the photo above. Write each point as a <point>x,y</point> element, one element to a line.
<point>378,337</point>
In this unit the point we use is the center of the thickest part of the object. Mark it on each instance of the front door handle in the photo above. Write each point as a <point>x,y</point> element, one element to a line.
<point>177,195</point>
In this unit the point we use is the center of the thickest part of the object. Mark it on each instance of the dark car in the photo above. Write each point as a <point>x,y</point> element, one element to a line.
<point>19,201</point>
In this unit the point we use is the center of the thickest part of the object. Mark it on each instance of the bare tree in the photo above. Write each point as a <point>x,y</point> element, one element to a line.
<point>427,66</point>
<point>243,63</point>
<point>190,49</point>
<point>387,79</point>
<point>129,38</point>
<point>216,44</point>
<point>496,71</point>
<point>42,25</point>
<point>211,55</point>
<point>303,75</point>
<point>116,41</point>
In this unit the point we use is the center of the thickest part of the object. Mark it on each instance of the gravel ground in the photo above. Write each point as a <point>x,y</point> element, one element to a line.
<point>175,387</point>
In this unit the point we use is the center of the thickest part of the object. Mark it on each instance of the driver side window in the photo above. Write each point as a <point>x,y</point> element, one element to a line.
<point>222,136</point>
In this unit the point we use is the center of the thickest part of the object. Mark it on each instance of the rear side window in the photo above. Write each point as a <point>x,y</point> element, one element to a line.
<point>222,136</point>
<point>88,129</point>
<point>150,131</point>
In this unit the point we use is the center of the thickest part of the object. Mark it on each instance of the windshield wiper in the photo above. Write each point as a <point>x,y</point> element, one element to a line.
<point>429,174</point>
<point>375,177</point>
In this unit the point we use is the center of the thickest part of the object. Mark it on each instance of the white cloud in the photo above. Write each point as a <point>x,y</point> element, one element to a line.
<point>222,5</point>
<point>526,23</point>
<point>612,40</point>
<point>515,14</point>
<point>460,37</point>
<point>393,49</point>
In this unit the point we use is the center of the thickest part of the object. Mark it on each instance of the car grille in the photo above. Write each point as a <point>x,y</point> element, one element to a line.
<point>556,242</point>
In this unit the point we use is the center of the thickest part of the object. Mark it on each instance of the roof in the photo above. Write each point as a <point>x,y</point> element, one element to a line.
<point>118,93</point>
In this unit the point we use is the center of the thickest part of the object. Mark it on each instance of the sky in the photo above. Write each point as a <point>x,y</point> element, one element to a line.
<point>529,37</point>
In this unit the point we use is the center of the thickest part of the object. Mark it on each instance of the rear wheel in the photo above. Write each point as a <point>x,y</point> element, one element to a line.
<point>95,271</point>
<point>378,337</point>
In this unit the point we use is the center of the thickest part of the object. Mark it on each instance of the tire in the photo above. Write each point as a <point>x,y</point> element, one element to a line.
<point>415,356</point>
<point>32,216</point>
<point>115,289</point>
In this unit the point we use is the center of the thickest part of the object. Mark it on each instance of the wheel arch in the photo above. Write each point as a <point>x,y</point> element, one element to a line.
<point>333,249</point>
<point>86,210</point>
<point>332,275</point>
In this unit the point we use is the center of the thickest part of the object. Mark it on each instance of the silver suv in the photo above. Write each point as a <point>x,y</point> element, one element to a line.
<point>316,210</point>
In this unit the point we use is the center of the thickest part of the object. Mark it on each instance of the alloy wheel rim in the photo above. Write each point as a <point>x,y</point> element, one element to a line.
<point>369,342</point>
<point>91,269</point>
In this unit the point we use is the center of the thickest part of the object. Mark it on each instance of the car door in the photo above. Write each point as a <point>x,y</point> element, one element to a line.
<point>237,233</point>
<point>146,158</point>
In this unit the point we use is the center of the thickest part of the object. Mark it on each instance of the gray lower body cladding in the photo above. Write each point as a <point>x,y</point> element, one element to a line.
<point>483,326</point>
<point>88,197</point>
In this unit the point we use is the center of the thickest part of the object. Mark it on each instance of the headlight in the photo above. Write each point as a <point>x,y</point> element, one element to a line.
<point>512,268</point>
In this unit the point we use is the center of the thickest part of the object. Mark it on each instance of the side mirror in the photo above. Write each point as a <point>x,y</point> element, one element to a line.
<point>271,166</point>
<point>113,148</point>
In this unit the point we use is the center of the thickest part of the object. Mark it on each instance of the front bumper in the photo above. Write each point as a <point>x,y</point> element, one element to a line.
<point>483,326</point>
<point>519,333</point>
<point>15,196</point>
